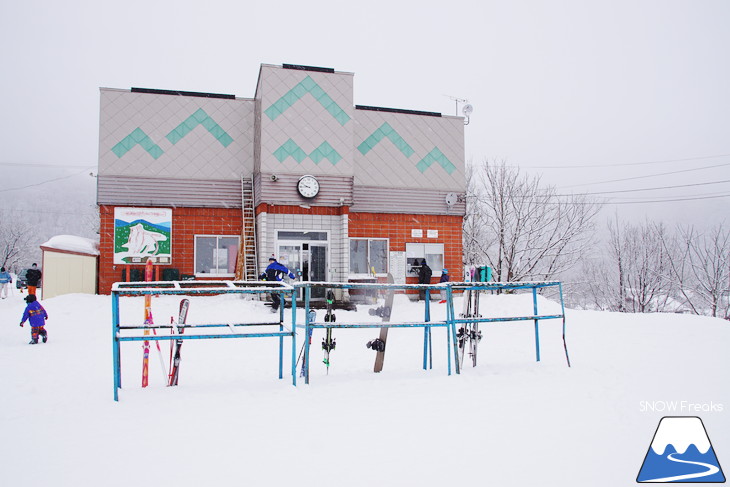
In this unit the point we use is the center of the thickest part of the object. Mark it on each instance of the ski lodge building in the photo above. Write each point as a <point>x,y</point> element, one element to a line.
<point>210,185</point>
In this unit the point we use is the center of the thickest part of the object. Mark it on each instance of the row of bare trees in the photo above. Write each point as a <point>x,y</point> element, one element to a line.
<point>647,267</point>
<point>525,231</point>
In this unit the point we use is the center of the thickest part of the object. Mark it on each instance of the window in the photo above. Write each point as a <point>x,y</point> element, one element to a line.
<point>216,255</point>
<point>416,252</point>
<point>368,253</point>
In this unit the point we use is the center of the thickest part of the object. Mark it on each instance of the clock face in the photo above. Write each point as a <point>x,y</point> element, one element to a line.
<point>308,186</point>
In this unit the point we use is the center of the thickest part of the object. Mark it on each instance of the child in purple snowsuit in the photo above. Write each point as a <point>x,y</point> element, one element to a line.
<point>36,315</point>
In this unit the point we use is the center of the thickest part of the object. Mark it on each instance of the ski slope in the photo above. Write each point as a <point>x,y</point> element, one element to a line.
<point>510,421</point>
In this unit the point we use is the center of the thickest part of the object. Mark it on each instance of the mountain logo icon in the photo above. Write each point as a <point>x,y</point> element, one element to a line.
<point>680,452</point>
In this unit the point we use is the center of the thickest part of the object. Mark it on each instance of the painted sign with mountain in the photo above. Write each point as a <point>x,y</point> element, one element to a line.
<point>141,234</point>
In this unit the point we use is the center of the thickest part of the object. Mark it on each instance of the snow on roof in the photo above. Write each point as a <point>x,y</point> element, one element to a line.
<point>72,243</point>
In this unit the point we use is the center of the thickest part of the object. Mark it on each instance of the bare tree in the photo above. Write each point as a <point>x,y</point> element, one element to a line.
<point>528,231</point>
<point>701,267</point>
<point>15,240</point>
<point>635,275</point>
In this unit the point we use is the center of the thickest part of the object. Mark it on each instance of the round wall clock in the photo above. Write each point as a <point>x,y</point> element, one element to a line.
<point>308,186</point>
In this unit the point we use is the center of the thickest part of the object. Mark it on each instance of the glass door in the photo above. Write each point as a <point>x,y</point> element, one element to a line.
<point>317,267</point>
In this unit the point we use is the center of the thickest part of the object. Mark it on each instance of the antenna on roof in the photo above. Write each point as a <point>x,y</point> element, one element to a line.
<point>466,110</point>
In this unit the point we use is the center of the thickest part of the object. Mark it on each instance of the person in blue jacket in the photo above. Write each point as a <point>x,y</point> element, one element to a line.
<point>276,272</point>
<point>444,278</point>
<point>36,315</point>
<point>5,281</point>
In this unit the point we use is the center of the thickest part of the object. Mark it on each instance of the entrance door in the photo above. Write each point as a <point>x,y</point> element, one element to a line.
<point>317,267</point>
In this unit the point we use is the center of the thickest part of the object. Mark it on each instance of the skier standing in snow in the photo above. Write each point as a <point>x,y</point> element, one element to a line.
<point>36,315</point>
<point>5,281</point>
<point>444,278</point>
<point>33,277</point>
<point>424,277</point>
<point>276,272</point>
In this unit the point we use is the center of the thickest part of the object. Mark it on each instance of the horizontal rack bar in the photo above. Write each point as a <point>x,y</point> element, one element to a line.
<point>513,318</point>
<point>380,325</point>
<point>187,325</point>
<point>201,337</point>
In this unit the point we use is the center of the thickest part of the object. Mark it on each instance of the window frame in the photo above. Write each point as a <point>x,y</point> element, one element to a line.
<point>353,275</point>
<point>217,247</point>
<point>411,250</point>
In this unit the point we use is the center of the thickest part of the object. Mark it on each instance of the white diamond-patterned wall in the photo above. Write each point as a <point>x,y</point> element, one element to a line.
<point>169,136</point>
<point>306,122</point>
<point>398,150</point>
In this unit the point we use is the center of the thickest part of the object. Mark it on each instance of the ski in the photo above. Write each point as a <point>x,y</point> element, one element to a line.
<point>468,335</point>
<point>312,319</point>
<point>384,312</point>
<point>147,322</point>
<point>328,343</point>
<point>175,362</point>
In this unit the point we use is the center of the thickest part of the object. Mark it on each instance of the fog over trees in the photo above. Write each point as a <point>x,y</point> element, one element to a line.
<point>525,231</point>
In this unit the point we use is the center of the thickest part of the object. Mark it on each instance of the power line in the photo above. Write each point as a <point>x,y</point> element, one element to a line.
<point>592,166</point>
<point>649,176</point>
<point>667,200</point>
<point>652,189</point>
<point>45,182</point>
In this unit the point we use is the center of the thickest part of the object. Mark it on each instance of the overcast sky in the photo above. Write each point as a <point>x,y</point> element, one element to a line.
<point>612,89</point>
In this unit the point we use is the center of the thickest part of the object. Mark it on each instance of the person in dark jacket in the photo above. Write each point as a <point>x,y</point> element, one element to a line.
<point>36,315</point>
<point>33,277</point>
<point>276,272</point>
<point>424,277</point>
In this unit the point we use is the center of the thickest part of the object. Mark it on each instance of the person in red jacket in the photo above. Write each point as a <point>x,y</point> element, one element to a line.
<point>36,315</point>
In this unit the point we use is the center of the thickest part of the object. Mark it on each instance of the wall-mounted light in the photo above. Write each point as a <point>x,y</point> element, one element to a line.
<point>274,177</point>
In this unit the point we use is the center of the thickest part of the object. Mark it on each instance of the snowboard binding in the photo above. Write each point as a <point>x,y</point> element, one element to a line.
<point>377,345</point>
<point>381,311</point>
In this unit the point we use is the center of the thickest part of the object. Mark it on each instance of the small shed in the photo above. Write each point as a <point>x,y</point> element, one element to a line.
<point>70,265</point>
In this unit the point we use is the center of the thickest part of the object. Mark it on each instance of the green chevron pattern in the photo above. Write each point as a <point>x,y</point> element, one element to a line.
<point>291,149</point>
<point>200,117</point>
<point>138,136</point>
<point>307,85</point>
<point>435,156</point>
<point>382,132</point>
<point>325,151</point>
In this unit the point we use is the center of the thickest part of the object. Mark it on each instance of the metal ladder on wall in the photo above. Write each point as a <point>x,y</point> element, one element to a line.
<point>247,260</point>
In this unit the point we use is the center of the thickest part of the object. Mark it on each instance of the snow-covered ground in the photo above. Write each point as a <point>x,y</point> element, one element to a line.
<point>511,421</point>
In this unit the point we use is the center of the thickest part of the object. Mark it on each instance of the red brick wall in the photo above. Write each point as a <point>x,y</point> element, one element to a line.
<point>186,223</point>
<point>398,228</point>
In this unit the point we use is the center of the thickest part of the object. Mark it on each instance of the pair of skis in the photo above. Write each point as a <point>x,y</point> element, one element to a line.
<point>176,345</point>
<point>328,342</point>
<point>468,335</point>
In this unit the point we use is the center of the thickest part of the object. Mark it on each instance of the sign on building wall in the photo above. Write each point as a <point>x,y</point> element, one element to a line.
<point>398,267</point>
<point>141,234</point>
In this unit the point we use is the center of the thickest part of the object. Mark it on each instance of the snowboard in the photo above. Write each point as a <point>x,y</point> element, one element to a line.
<point>384,312</point>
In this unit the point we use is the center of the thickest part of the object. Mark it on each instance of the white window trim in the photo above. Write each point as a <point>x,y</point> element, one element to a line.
<point>387,258</point>
<point>195,255</point>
